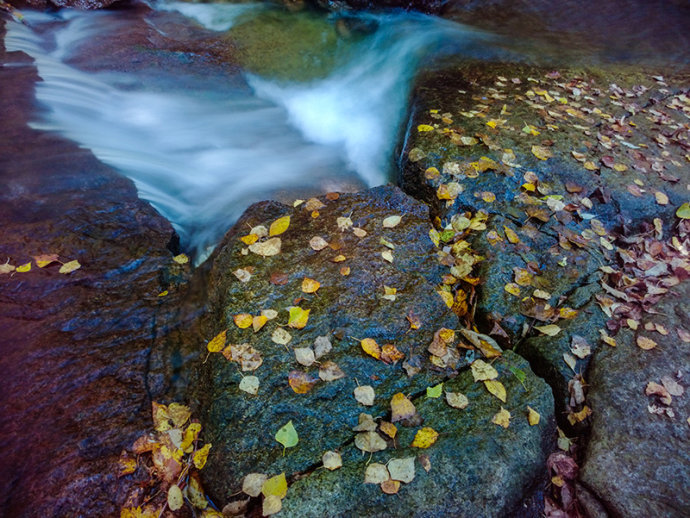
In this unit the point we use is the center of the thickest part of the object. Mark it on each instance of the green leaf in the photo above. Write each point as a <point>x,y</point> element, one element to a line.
<point>435,391</point>
<point>683,211</point>
<point>519,374</point>
<point>287,436</point>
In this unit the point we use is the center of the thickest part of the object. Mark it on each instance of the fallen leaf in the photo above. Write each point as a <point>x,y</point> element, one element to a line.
<point>365,423</point>
<point>365,395</point>
<point>512,288</point>
<point>305,356</point>
<point>250,385</point>
<point>272,504</point>
<point>482,371</point>
<point>317,243</point>
<point>279,278</point>
<point>645,343</point>
<point>45,259</point>
<point>532,416</point>
<point>298,317</point>
<point>287,436</point>
<point>181,259</point>
<point>435,391</point>
<point>175,498</point>
<point>502,418</point>
<point>402,470</point>
<point>249,239</point>
<point>281,336</point>
<point>457,400</point>
<point>68,267</point>
<point>217,343</point>
<point>126,464</point>
<point>370,442</point>
<point>322,346</point>
<point>496,388</point>
<point>370,347</point>
<point>301,382</point>
<point>401,408</point>
<point>242,274</point>
<point>391,221</point>
<point>389,429</point>
<point>253,483</point>
<point>258,322</point>
<point>424,127</point>
<point>243,320</point>
<point>179,414</point>
<point>683,211</point>
<point>266,248</point>
<point>376,473</point>
<point>389,293</point>
<point>549,330</point>
<point>542,152</point>
<point>330,371</point>
<point>332,460</point>
<point>7,267</point>
<point>244,354</point>
<point>201,455</point>
<point>279,226</point>
<point>661,198</point>
<point>277,486</point>
<point>310,285</point>
<point>424,438</point>
<point>390,486</point>
<point>387,255</point>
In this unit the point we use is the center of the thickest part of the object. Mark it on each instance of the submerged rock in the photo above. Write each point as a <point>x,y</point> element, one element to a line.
<point>378,278</point>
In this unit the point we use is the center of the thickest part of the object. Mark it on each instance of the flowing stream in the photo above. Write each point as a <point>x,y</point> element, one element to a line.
<point>304,103</point>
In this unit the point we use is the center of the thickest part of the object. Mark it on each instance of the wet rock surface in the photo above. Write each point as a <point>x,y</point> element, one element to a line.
<point>75,347</point>
<point>637,459</point>
<point>502,464</point>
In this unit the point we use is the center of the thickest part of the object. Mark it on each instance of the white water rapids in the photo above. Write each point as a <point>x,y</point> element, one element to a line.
<point>202,154</point>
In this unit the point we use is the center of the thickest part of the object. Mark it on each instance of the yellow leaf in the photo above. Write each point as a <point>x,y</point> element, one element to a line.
<point>511,235</point>
<point>502,418</point>
<point>457,400</point>
<point>160,417</point>
<point>389,429</point>
<point>276,486</point>
<point>661,198</point>
<point>391,221</point>
<point>566,312</point>
<point>683,212</point>
<point>279,226</point>
<point>68,267</point>
<point>195,492</point>
<point>387,255</point>
<point>272,504</point>
<point>190,435</point>
<point>258,322</point>
<point>243,320</point>
<point>179,414</point>
<point>425,438</point>
<point>401,408</point>
<point>344,271</point>
<point>512,288</point>
<point>181,259</point>
<point>310,285</point>
<point>645,343</point>
<point>339,258</point>
<point>523,276</point>
<point>217,343</point>
<point>424,127</point>
<point>201,456</point>
<point>25,267</point>
<point>391,354</point>
<point>390,486</point>
<point>370,347</point>
<point>620,167</point>
<point>45,259</point>
<point>249,239</point>
<point>488,196</point>
<point>127,464</point>
<point>542,152</point>
<point>447,297</point>
<point>591,166</point>
<point>532,416</point>
<point>482,371</point>
<point>550,329</point>
<point>175,498</point>
<point>298,317</point>
<point>496,388</point>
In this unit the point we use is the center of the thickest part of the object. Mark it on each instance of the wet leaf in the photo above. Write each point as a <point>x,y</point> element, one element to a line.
<point>496,388</point>
<point>365,395</point>
<point>376,473</point>
<point>370,347</point>
<point>243,320</point>
<point>424,438</point>
<point>645,343</point>
<point>512,288</point>
<point>401,408</point>
<point>332,460</point>
<point>330,371</point>
<point>175,498</point>
<point>179,414</point>
<point>272,504</point>
<point>310,285</point>
<point>277,486</point>
<point>298,317</point>
<point>457,400</point>
<point>287,436</point>
<point>482,371</point>
<point>365,423</point>
<point>301,382</point>
<point>68,267</point>
<point>266,248</point>
<point>281,336</point>
<point>179,259</point>
<point>201,456</point>
<point>402,469</point>
<point>549,330</point>
<point>279,226</point>
<point>532,416</point>
<point>217,343</point>
<point>253,483</point>
<point>511,235</point>
<point>370,442</point>
<point>435,391</point>
<point>391,221</point>
<point>502,418</point>
<point>250,385</point>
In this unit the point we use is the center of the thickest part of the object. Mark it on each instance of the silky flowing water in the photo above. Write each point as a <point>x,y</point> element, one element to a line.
<point>301,104</point>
